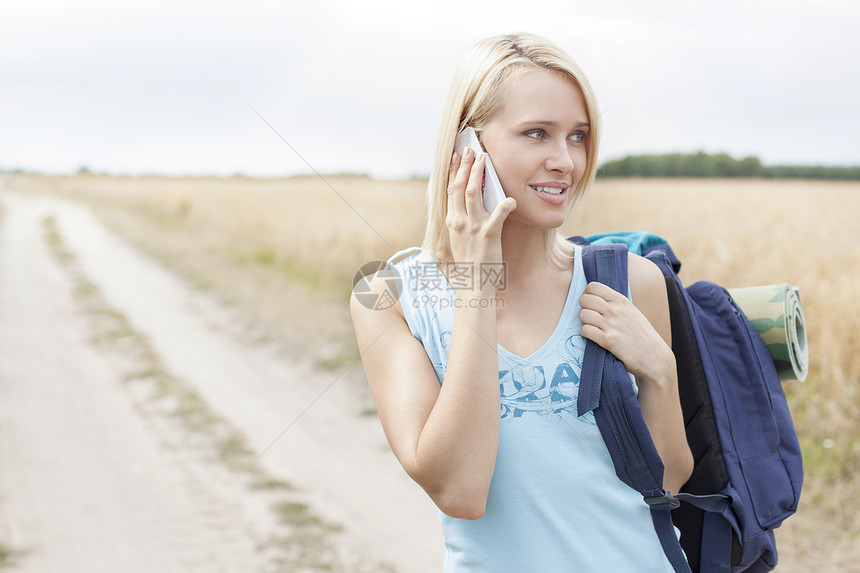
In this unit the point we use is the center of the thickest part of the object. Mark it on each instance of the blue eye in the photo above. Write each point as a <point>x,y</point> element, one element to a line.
<point>578,136</point>
<point>535,134</point>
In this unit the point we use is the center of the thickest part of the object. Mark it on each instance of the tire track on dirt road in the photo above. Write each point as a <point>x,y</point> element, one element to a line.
<point>84,484</point>
<point>147,506</point>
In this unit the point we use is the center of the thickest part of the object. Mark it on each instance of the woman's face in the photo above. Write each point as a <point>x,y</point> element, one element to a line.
<point>537,143</point>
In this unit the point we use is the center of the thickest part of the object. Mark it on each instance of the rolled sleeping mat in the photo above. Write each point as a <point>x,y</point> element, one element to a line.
<point>776,312</point>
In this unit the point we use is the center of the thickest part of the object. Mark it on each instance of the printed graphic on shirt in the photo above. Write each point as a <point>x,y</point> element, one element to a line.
<point>525,390</point>
<point>546,389</point>
<point>572,346</point>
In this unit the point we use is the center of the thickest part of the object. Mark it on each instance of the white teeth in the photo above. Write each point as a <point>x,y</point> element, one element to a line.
<point>551,190</point>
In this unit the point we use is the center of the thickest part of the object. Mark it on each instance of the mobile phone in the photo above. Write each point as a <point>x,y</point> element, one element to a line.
<point>491,188</point>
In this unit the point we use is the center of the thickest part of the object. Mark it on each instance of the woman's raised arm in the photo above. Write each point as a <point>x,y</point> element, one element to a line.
<point>446,437</point>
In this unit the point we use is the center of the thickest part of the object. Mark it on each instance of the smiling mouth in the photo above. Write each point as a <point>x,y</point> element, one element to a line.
<point>550,190</point>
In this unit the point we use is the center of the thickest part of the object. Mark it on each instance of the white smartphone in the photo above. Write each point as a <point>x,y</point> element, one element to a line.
<point>491,188</point>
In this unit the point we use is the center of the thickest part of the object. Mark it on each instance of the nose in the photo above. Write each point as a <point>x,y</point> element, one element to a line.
<point>560,159</point>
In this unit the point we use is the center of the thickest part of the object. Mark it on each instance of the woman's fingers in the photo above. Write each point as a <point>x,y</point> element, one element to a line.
<point>603,291</point>
<point>600,328</point>
<point>604,314</point>
<point>592,317</point>
<point>500,214</point>
<point>611,320</point>
<point>474,234</point>
<point>465,184</point>
<point>452,175</point>
<point>452,169</point>
<point>461,171</point>
<point>600,298</point>
<point>474,188</point>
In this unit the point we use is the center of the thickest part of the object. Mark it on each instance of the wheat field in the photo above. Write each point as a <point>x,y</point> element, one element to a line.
<point>286,250</point>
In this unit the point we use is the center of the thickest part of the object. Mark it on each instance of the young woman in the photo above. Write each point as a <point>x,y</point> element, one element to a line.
<point>475,371</point>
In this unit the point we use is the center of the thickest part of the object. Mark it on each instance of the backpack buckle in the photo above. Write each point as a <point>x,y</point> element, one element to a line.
<point>665,501</point>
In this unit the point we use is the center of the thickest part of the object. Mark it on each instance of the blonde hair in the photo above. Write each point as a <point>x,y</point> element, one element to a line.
<point>477,92</point>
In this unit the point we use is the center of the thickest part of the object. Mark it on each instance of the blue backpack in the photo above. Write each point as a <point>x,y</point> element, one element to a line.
<point>748,468</point>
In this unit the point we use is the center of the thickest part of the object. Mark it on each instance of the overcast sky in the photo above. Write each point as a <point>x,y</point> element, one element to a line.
<point>358,86</point>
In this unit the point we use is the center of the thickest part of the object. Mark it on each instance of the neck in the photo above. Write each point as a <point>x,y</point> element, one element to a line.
<point>524,253</point>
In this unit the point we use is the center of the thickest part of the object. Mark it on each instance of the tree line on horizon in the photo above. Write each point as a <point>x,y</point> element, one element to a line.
<point>703,164</point>
<point>694,165</point>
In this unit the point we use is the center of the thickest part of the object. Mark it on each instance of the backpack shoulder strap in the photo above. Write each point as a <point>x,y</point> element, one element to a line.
<point>606,390</point>
<point>606,264</point>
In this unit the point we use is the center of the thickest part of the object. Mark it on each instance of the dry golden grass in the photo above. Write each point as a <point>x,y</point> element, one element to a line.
<point>286,250</point>
<point>327,226</point>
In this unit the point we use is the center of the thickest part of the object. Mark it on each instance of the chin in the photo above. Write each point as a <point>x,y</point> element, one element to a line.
<point>558,221</point>
<point>544,223</point>
<point>553,220</point>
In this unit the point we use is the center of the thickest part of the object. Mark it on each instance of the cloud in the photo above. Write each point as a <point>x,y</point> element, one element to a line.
<point>172,87</point>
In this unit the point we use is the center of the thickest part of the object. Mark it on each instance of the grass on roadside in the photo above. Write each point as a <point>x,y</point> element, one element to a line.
<point>10,557</point>
<point>172,397</point>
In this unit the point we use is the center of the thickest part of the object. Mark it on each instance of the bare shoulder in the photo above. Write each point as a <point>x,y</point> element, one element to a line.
<point>648,290</point>
<point>373,303</point>
<point>379,323</point>
<point>646,278</point>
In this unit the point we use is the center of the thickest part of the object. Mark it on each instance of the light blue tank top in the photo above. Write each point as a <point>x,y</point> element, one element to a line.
<point>555,503</point>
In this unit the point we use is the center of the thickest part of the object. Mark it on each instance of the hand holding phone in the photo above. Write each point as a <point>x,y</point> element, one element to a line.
<point>491,188</point>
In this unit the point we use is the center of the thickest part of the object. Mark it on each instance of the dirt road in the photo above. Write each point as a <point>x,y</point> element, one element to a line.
<point>92,480</point>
